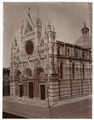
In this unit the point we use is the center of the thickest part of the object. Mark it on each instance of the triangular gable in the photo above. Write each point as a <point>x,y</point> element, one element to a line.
<point>29,25</point>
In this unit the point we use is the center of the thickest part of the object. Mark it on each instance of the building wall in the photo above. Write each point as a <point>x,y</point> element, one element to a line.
<point>74,69</point>
<point>53,70</point>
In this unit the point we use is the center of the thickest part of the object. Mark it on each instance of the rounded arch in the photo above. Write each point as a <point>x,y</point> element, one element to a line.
<point>27,73</point>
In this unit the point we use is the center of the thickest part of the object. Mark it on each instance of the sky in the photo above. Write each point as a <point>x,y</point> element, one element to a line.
<point>67,18</point>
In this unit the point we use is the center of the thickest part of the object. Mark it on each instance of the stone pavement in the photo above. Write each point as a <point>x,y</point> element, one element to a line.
<point>80,109</point>
<point>25,110</point>
<point>26,101</point>
<point>77,109</point>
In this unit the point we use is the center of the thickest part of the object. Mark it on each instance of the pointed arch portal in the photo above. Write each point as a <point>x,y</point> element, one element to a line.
<point>18,83</point>
<point>40,74</point>
<point>27,73</point>
<point>32,87</point>
<point>17,75</point>
<point>40,83</point>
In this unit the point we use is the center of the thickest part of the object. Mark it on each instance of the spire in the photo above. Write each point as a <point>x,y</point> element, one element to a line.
<point>38,20</point>
<point>22,27</point>
<point>30,17</point>
<point>45,31</point>
<point>38,27</point>
<point>28,11</point>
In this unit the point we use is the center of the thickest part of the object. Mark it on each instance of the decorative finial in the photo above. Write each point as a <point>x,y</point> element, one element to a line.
<point>15,41</point>
<point>45,30</point>
<point>22,26</point>
<point>29,11</point>
<point>49,26</point>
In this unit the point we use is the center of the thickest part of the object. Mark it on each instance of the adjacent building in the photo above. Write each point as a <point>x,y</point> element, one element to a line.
<point>6,81</point>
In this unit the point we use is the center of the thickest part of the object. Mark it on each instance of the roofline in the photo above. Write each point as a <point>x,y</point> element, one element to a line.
<point>72,45</point>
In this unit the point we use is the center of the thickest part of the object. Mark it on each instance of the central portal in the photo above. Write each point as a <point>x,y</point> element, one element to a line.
<point>31,95</point>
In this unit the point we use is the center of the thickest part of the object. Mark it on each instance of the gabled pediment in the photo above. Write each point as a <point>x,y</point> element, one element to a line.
<point>28,25</point>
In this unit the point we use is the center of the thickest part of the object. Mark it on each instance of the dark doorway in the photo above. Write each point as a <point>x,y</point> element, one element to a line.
<point>30,89</point>
<point>21,90</point>
<point>42,91</point>
<point>6,89</point>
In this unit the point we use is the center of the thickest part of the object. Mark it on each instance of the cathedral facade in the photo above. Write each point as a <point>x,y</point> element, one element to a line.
<point>46,69</point>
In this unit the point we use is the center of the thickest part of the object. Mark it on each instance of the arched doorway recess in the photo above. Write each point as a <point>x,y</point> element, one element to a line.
<point>40,83</point>
<point>28,83</point>
<point>18,83</point>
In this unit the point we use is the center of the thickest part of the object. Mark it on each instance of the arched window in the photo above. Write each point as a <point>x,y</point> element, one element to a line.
<point>73,67</point>
<point>83,71</point>
<point>76,54</point>
<point>58,51</point>
<point>68,52</point>
<point>61,70</point>
<point>83,54</point>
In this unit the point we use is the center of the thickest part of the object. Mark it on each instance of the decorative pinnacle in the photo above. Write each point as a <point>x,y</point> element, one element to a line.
<point>29,11</point>
<point>84,24</point>
<point>53,29</point>
<point>15,41</point>
<point>22,22</point>
<point>45,30</point>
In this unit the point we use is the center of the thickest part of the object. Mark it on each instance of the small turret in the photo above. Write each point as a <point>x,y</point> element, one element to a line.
<point>85,30</point>
<point>85,41</point>
<point>15,42</point>
<point>38,30</point>
<point>38,23</point>
<point>54,34</point>
<point>51,34</point>
<point>48,27</point>
<point>45,31</point>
